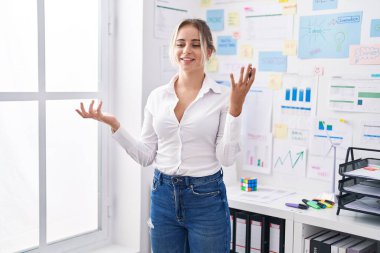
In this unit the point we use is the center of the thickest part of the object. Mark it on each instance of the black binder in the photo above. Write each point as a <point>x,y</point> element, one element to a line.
<point>276,236</point>
<point>242,232</point>
<point>316,244</point>
<point>233,229</point>
<point>259,233</point>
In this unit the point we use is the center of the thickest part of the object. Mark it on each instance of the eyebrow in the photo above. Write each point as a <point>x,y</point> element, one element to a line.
<point>193,40</point>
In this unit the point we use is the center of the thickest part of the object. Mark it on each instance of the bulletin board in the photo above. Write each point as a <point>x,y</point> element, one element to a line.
<point>317,83</point>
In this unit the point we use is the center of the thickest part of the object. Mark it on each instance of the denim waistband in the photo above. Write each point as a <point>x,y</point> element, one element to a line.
<point>186,180</point>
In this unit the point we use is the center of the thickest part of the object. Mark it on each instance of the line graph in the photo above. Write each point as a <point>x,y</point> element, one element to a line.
<point>288,158</point>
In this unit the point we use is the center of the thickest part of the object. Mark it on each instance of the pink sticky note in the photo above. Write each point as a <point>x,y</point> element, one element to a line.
<point>365,54</point>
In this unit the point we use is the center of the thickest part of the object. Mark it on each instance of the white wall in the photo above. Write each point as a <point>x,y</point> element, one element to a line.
<point>126,106</point>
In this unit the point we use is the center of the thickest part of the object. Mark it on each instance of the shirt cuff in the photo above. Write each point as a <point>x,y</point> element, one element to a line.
<point>125,139</point>
<point>232,128</point>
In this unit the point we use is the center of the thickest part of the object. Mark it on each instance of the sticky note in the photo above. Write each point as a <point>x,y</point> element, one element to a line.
<point>290,47</point>
<point>246,51</point>
<point>233,19</point>
<point>375,28</point>
<point>324,4</point>
<point>205,3</point>
<point>365,54</point>
<point>289,8</point>
<point>280,131</point>
<point>212,64</point>
<point>215,19</point>
<point>275,81</point>
<point>226,45</point>
<point>272,61</point>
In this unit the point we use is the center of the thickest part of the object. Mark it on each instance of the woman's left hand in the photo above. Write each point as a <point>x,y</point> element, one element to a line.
<point>240,89</point>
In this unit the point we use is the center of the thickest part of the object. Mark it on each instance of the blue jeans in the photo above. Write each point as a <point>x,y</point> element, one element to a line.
<point>189,214</point>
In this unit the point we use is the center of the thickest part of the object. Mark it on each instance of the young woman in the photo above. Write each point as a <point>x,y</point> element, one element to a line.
<point>191,128</point>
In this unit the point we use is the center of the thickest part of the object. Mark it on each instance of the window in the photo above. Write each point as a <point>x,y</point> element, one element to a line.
<point>52,162</point>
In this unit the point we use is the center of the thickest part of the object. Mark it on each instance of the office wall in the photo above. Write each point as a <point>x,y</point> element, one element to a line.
<point>306,67</point>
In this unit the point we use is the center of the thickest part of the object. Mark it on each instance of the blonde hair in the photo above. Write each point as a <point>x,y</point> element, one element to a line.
<point>204,34</point>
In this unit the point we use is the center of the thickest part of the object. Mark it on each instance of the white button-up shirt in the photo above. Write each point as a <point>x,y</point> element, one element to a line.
<point>206,137</point>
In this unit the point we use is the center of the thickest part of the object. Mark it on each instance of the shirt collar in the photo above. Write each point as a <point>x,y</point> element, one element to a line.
<point>208,84</point>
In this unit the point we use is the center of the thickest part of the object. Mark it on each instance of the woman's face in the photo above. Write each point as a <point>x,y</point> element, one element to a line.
<point>187,49</point>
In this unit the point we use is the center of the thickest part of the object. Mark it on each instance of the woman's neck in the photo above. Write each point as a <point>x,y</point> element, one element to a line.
<point>190,80</point>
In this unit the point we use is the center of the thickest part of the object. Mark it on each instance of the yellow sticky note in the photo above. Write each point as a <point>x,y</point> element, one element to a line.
<point>275,81</point>
<point>289,8</point>
<point>282,1</point>
<point>246,51</point>
<point>233,19</point>
<point>280,131</point>
<point>205,3</point>
<point>212,64</point>
<point>290,47</point>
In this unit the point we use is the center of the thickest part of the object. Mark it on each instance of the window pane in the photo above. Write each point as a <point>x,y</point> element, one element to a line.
<point>71,32</point>
<point>72,171</point>
<point>19,176</point>
<point>18,46</point>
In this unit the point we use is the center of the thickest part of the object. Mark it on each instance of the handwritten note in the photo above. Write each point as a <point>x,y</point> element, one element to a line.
<point>215,19</point>
<point>205,3</point>
<point>272,61</point>
<point>289,8</point>
<point>280,131</point>
<point>212,64</point>
<point>324,4</point>
<point>226,45</point>
<point>365,54</point>
<point>275,81</point>
<point>375,28</point>
<point>233,19</point>
<point>246,51</point>
<point>290,47</point>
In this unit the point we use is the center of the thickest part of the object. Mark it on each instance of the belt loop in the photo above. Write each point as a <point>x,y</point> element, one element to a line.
<point>160,178</point>
<point>187,181</point>
<point>221,171</point>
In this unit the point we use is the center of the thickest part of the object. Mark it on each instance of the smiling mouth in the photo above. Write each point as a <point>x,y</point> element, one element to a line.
<point>187,59</point>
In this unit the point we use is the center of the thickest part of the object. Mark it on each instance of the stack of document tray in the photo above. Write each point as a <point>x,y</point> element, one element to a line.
<point>360,185</point>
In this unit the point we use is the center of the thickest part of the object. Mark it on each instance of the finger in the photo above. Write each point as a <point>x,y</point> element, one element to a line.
<point>79,113</point>
<point>241,75</point>
<point>247,74</point>
<point>91,109</point>
<point>252,78</point>
<point>233,84</point>
<point>99,107</point>
<point>84,113</point>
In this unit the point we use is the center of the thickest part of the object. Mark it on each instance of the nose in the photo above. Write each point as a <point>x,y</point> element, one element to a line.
<point>187,49</point>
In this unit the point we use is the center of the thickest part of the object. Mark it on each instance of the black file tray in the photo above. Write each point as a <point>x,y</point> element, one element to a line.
<point>356,192</point>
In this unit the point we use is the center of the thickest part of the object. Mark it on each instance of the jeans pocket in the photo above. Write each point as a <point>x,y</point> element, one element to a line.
<point>155,184</point>
<point>209,189</point>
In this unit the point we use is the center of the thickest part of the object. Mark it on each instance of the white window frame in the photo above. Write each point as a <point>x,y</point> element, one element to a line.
<point>101,235</point>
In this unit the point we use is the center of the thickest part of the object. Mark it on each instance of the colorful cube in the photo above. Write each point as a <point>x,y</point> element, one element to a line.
<point>248,184</point>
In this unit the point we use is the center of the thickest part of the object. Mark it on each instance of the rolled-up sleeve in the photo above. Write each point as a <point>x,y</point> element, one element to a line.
<point>228,138</point>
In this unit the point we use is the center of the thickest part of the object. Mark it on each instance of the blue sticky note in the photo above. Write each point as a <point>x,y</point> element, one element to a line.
<point>324,4</point>
<point>226,45</point>
<point>329,36</point>
<point>375,28</point>
<point>273,61</point>
<point>215,19</point>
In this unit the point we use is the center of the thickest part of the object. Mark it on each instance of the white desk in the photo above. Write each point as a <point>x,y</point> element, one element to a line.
<point>298,222</point>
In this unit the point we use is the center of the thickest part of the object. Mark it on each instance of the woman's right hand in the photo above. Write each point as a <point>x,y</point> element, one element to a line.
<point>98,115</point>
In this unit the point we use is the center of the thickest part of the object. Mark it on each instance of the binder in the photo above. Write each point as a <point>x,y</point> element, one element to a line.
<point>259,233</point>
<point>276,235</point>
<point>316,243</point>
<point>343,249</point>
<point>335,247</point>
<point>242,232</point>
<point>233,229</point>
<point>308,239</point>
<point>327,245</point>
<point>367,246</point>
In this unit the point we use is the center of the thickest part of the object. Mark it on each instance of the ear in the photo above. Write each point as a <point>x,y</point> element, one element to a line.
<point>209,53</point>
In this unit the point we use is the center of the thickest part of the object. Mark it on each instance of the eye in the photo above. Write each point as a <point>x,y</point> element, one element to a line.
<point>196,45</point>
<point>180,45</point>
